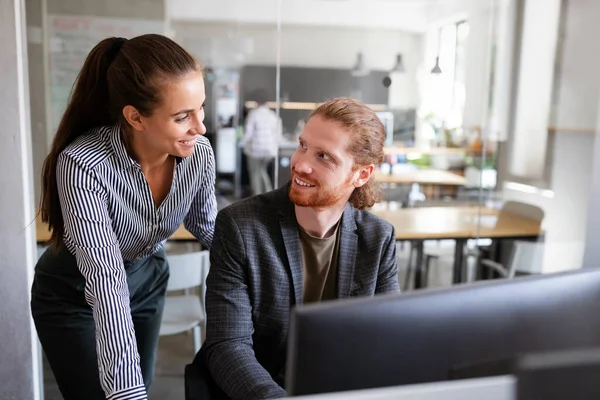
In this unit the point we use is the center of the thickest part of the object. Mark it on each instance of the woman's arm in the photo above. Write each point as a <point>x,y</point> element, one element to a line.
<point>200,220</point>
<point>88,228</point>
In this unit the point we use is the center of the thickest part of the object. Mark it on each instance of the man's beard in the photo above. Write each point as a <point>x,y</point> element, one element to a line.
<point>319,198</point>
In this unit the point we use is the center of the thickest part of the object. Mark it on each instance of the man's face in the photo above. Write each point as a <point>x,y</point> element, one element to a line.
<point>322,169</point>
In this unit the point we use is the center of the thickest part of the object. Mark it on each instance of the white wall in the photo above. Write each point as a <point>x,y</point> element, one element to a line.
<point>536,85</point>
<point>574,155</point>
<point>405,15</point>
<point>505,34</point>
<point>318,46</point>
<point>19,368</point>
<point>565,221</point>
<point>591,256</point>
<point>477,73</point>
<point>37,85</point>
<point>481,16</point>
<point>577,91</point>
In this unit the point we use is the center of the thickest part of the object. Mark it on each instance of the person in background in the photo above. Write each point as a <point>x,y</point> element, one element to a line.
<point>127,166</point>
<point>262,134</point>
<point>312,240</point>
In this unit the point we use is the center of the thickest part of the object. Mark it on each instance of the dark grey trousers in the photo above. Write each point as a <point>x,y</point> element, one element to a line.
<point>65,324</point>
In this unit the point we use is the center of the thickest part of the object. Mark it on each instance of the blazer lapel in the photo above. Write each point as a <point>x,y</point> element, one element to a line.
<point>347,253</point>
<point>291,240</point>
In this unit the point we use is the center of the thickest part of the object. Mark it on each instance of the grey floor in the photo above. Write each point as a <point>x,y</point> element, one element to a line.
<point>177,350</point>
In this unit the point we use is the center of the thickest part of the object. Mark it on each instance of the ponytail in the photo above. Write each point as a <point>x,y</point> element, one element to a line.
<point>88,107</point>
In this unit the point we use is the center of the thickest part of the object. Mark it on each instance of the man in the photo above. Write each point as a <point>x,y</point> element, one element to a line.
<point>262,134</point>
<point>306,242</point>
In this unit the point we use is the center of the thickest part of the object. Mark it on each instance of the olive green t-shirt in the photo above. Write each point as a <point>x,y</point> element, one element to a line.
<point>319,265</point>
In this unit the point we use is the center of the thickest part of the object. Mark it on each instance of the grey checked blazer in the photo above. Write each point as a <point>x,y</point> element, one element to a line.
<point>256,277</point>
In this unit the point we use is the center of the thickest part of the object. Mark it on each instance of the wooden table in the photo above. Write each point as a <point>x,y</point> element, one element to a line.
<point>432,177</point>
<point>458,224</point>
<point>427,223</point>
<point>422,224</point>
<point>422,176</point>
<point>43,234</point>
<point>41,231</point>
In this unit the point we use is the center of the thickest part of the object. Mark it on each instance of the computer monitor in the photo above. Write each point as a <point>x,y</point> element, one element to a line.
<point>436,335</point>
<point>567,374</point>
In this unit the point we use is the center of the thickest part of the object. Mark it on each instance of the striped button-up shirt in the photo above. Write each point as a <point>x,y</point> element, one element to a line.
<point>110,217</point>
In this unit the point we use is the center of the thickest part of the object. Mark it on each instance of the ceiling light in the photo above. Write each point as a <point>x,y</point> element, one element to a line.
<point>399,67</point>
<point>436,69</point>
<point>359,68</point>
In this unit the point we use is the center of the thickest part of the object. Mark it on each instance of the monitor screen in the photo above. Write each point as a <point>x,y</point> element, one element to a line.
<point>436,335</point>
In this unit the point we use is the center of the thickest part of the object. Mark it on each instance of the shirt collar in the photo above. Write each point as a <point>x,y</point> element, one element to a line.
<point>116,141</point>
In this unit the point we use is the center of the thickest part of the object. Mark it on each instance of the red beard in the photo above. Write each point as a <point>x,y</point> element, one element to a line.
<point>317,197</point>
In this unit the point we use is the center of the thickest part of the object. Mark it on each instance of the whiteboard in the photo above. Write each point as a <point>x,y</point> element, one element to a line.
<point>70,39</point>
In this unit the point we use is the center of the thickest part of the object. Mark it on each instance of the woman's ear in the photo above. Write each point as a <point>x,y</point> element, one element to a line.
<point>133,118</point>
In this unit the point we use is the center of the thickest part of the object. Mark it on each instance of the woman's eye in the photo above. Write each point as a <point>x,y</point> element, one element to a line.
<point>183,119</point>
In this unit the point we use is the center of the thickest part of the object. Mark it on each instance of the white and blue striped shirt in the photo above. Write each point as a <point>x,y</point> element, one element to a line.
<point>110,216</point>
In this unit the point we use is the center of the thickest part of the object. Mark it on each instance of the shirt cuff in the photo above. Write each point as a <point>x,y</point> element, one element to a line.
<point>135,393</point>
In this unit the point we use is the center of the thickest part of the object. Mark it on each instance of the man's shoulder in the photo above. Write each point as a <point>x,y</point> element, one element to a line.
<point>256,208</point>
<point>370,225</point>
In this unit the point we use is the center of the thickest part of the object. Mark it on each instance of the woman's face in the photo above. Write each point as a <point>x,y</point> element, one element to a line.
<point>176,124</point>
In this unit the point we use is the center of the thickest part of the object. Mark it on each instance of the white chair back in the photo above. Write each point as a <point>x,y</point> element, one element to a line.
<point>187,270</point>
<point>526,257</point>
<point>523,209</point>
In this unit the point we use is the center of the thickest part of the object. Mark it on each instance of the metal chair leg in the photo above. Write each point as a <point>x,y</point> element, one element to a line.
<point>409,268</point>
<point>197,338</point>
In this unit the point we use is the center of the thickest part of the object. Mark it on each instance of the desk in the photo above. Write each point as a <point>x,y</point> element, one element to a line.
<point>432,177</point>
<point>426,223</point>
<point>459,224</point>
<point>421,224</point>
<point>43,234</point>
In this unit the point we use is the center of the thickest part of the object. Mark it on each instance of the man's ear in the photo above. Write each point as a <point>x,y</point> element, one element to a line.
<point>133,118</point>
<point>364,174</point>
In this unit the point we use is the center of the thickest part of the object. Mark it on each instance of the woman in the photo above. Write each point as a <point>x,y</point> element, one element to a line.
<point>127,166</point>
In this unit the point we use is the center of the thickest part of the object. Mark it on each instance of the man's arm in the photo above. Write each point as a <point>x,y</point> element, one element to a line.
<point>228,346</point>
<point>387,277</point>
